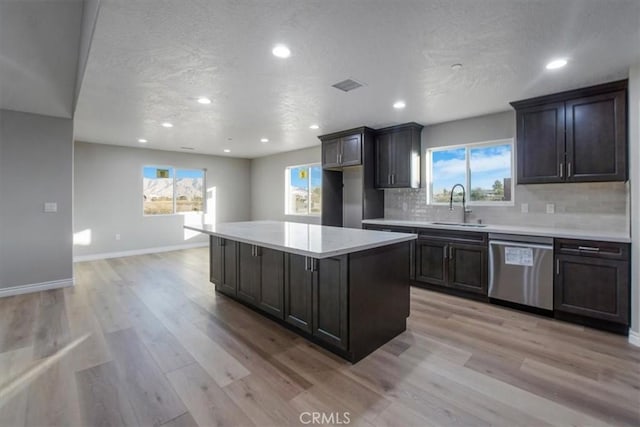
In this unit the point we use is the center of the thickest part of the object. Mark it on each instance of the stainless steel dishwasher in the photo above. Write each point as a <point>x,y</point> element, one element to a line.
<point>521,269</point>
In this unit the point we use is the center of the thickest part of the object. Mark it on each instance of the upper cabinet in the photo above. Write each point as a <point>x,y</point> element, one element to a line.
<point>343,150</point>
<point>575,136</point>
<point>397,154</point>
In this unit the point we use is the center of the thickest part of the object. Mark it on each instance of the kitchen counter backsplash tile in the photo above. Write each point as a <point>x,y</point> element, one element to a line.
<point>603,206</point>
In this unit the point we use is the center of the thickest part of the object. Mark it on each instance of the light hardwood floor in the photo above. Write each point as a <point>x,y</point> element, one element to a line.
<point>163,349</point>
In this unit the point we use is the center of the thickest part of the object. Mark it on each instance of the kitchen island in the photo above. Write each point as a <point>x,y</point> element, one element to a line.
<point>344,289</point>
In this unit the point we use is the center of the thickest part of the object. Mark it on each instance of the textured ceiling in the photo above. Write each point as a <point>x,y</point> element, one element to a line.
<point>39,45</point>
<point>150,59</point>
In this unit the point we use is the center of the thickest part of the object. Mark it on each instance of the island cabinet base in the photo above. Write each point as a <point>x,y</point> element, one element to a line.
<point>349,304</point>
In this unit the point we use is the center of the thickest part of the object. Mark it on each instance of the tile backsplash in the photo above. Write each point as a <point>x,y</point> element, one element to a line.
<point>602,206</point>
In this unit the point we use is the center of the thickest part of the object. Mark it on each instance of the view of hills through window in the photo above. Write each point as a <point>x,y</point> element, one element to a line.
<point>167,190</point>
<point>484,170</point>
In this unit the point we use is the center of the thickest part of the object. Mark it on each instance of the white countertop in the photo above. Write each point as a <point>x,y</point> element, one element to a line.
<point>317,241</point>
<point>598,235</point>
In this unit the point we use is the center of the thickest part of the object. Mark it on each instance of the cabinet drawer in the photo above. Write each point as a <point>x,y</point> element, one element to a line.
<point>392,228</point>
<point>592,248</point>
<point>453,236</point>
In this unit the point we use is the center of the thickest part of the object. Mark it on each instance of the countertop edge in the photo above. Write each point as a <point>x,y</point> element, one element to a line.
<point>318,255</point>
<point>490,228</point>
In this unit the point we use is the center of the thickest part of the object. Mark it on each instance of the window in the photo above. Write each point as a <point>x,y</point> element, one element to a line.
<point>167,190</point>
<point>485,169</point>
<point>303,190</point>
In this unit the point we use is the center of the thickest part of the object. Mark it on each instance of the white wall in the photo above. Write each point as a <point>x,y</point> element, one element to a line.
<point>634,176</point>
<point>35,167</point>
<point>108,197</point>
<point>267,184</point>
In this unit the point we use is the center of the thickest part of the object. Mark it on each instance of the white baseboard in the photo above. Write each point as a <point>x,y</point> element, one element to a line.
<point>35,287</point>
<point>634,338</point>
<point>95,257</point>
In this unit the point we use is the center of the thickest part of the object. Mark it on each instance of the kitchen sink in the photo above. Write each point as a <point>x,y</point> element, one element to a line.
<point>460,224</point>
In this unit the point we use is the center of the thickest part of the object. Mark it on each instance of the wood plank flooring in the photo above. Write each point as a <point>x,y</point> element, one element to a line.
<point>163,349</point>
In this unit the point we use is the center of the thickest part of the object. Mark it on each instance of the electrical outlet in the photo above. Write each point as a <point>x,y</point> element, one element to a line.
<point>524,208</point>
<point>117,236</point>
<point>551,208</point>
<point>50,207</point>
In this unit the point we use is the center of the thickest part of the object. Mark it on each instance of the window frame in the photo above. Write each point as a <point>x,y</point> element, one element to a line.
<point>174,171</point>
<point>287,186</point>
<point>468,147</point>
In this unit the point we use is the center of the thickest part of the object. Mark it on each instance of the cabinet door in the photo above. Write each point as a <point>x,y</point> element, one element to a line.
<point>592,287</point>
<point>351,150</point>
<point>229,283</point>
<point>468,268</point>
<point>249,273</point>
<point>216,260</point>
<point>401,170</point>
<point>431,261</point>
<point>298,292</point>
<point>272,282</point>
<point>597,138</point>
<point>383,161</point>
<point>330,153</point>
<point>330,301</point>
<point>540,141</point>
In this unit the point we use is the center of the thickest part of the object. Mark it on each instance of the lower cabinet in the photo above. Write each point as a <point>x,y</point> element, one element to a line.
<point>261,278</point>
<point>298,292</point>
<point>453,260</point>
<point>223,265</point>
<point>412,244</point>
<point>330,321</point>
<point>592,280</point>
<point>316,296</point>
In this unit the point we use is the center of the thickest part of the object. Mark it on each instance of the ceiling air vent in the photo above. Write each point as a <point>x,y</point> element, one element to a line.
<point>347,85</point>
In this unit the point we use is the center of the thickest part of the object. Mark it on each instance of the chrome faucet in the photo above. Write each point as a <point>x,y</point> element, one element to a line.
<point>464,207</point>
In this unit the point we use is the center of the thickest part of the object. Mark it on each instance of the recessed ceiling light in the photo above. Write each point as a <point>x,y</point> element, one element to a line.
<point>264,140</point>
<point>281,51</point>
<point>456,67</point>
<point>204,100</point>
<point>226,150</point>
<point>399,105</point>
<point>556,63</point>
<point>142,141</point>
<point>167,125</point>
<point>314,127</point>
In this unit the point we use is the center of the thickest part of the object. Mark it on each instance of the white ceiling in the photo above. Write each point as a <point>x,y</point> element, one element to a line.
<point>150,59</point>
<point>39,45</point>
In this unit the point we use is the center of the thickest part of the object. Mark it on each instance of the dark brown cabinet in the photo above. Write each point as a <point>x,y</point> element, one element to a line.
<point>316,297</point>
<point>575,136</point>
<point>592,280</point>
<point>397,152</point>
<point>455,260</point>
<point>330,321</point>
<point>412,244</point>
<point>261,278</point>
<point>342,151</point>
<point>348,193</point>
<point>298,292</point>
<point>224,265</point>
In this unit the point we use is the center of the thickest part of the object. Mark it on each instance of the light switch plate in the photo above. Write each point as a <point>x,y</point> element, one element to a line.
<point>524,208</point>
<point>551,208</point>
<point>50,207</point>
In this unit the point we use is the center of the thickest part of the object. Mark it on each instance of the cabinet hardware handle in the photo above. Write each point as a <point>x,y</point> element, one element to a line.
<point>561,172</point>
<point>557,266</point>
<point>568,169</point>
<point>445,249</point>
<point>450,252</point>
<point>588,249</point>
<point>393,178</point>
<point>306,263</point>
<point>312,264</point>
